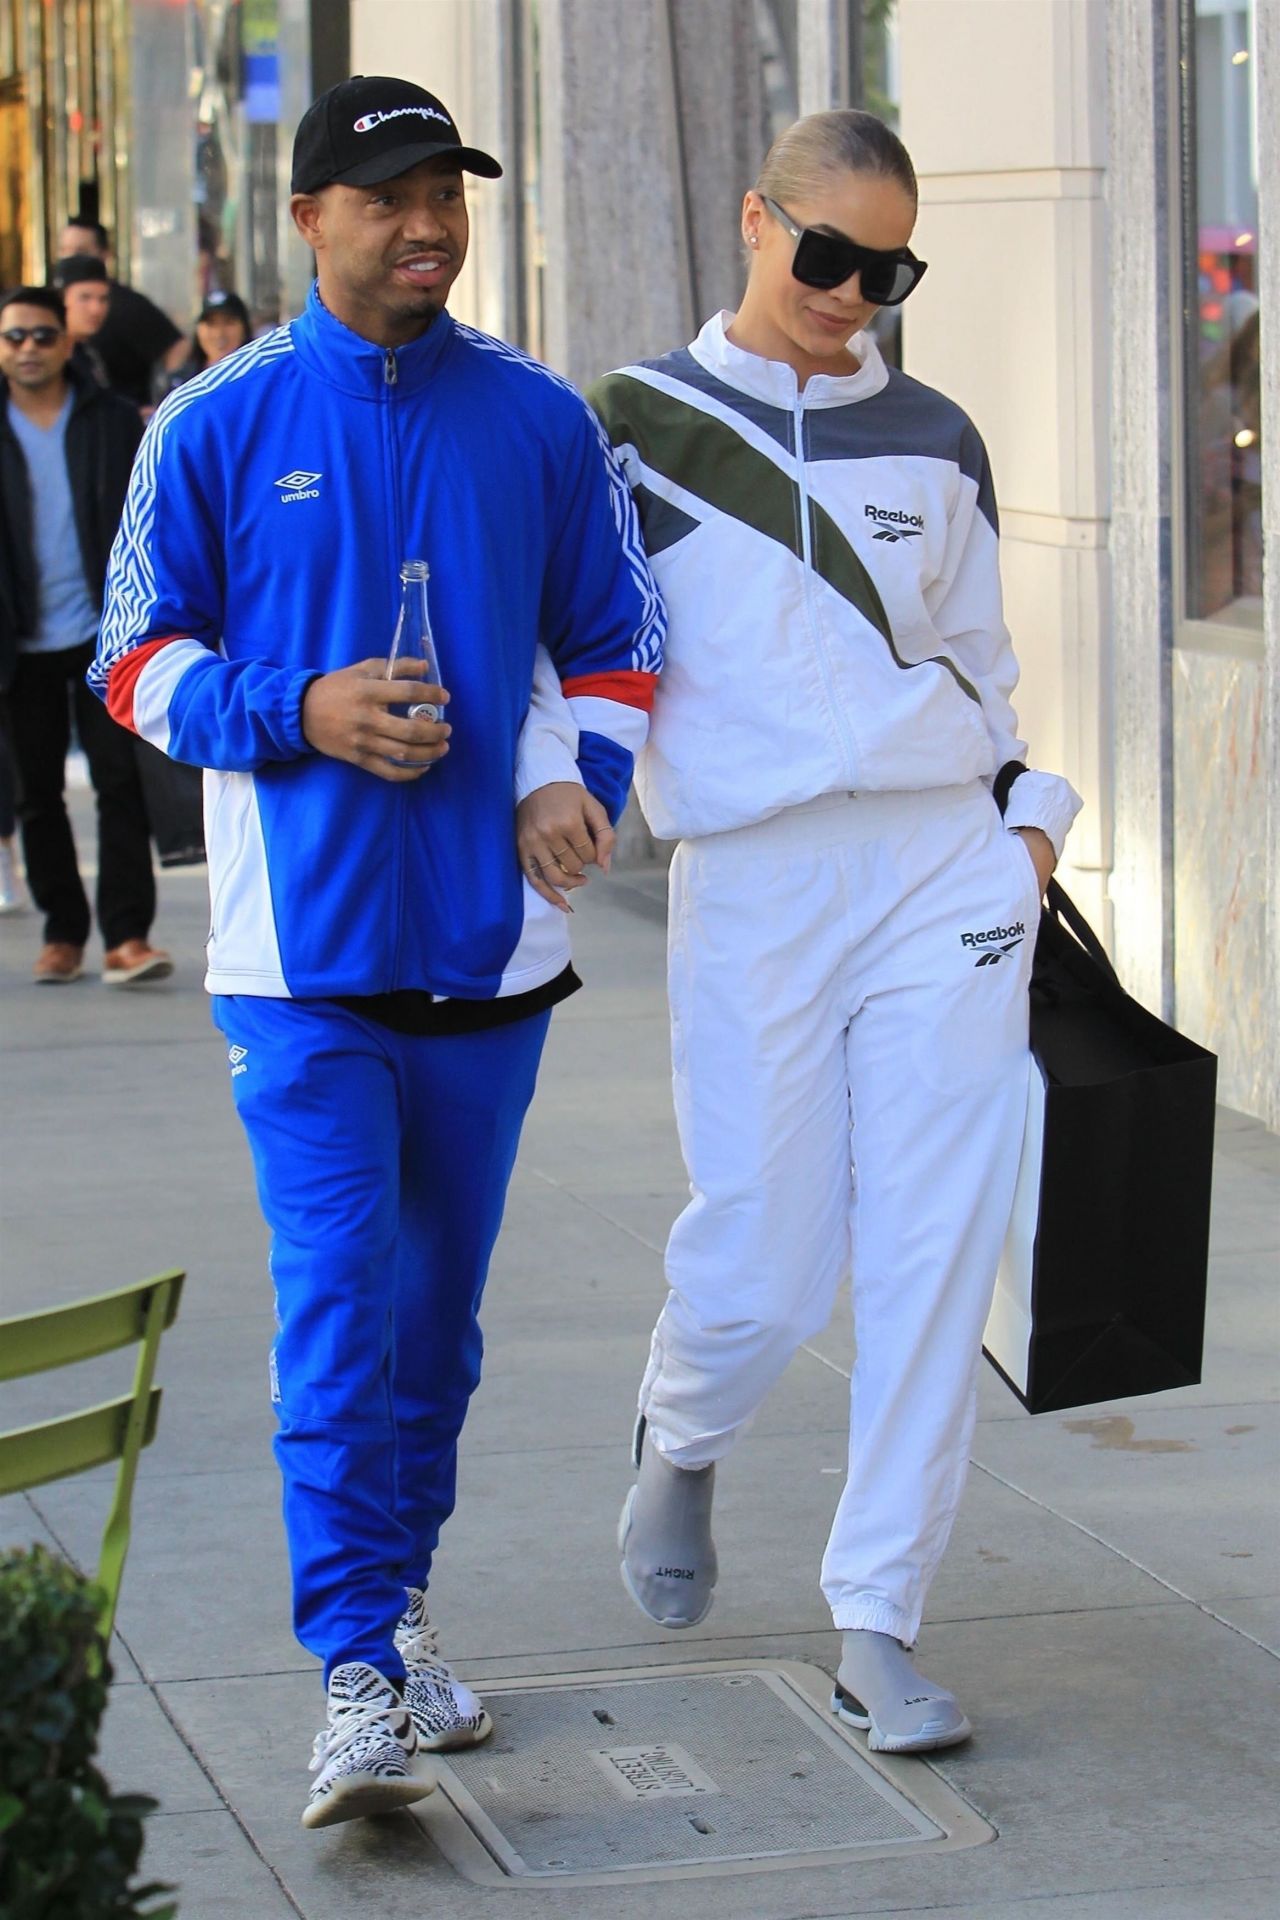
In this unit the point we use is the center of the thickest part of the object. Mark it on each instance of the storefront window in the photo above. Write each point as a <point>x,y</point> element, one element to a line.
<point>1223,549</point>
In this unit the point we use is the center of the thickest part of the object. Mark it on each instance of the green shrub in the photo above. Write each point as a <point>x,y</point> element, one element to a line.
<point>68,1847</point>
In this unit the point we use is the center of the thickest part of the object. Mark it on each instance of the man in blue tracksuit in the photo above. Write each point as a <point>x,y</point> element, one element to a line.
<point>382,970</point>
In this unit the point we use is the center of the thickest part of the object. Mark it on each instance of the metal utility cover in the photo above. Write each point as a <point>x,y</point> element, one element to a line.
<point>659,1773</point>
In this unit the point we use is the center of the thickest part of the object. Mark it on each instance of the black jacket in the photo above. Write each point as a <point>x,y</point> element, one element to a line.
<point>132,340</point>
<point>102,438</point>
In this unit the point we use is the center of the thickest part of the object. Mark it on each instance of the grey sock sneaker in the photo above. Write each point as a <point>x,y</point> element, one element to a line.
<point>878,1688</point>
<point>664,1537</point>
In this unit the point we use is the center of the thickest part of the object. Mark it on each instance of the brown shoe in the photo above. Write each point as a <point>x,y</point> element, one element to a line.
<point>132,962</point>
<point>58,963</point>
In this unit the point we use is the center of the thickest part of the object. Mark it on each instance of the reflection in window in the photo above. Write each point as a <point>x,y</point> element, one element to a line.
<point>1224,447</point>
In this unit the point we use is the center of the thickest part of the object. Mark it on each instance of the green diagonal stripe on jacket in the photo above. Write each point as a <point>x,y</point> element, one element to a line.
<point>706,457</point>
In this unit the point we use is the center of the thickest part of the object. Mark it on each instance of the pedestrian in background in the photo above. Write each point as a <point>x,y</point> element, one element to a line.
<point>851,921</point>
<point>86,294</point>
<point>383,975</point>
<point>66,449</point>
<point>136,337</point>
<point>222,325</point>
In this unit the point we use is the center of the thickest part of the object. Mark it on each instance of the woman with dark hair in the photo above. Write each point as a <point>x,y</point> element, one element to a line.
<point>222,325</point>
<point>851,921</point>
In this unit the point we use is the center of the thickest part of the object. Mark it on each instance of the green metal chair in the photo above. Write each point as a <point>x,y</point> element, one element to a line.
<point>115,1430</point>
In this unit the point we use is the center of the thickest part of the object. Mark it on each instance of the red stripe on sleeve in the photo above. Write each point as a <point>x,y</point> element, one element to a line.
<point>123,678</point>
<point>628,688</point>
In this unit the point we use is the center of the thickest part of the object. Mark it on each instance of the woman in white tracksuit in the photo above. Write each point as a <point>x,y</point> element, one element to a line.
<point>852,920</point>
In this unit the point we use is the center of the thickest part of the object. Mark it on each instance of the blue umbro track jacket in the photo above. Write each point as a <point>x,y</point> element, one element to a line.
<point>273,500</point>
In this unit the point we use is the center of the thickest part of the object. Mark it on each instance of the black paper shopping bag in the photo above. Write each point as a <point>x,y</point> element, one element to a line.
<point>1101,1288</point>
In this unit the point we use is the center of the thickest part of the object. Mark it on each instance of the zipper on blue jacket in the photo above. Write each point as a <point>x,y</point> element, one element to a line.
<point>806,559</point>
<point>390,379</point>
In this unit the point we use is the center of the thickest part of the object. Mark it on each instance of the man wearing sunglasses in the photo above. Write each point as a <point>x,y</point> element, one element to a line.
<point>66,450</point>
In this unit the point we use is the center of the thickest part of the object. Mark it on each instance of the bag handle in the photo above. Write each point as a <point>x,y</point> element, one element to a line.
<point>1057,901</point>
<point>1060,904</point>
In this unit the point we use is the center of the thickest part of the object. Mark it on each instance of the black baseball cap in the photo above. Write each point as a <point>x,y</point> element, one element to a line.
<point>217,301</point>
<point>77,267</point>
<point>370,128</point>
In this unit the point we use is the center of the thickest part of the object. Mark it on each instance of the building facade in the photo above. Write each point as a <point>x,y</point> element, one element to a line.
<point>171,122</point>
<point>1103,199</point>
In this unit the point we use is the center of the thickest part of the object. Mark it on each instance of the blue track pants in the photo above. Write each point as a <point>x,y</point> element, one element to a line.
<point>382,1164</point>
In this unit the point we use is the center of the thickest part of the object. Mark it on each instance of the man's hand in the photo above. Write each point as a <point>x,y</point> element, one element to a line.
<point>347,715</point>
<point>560,830</point>
<point>1043,857</point>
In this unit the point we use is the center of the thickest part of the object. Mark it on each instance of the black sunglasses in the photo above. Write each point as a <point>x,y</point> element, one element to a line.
<point>39,336</point>
<point>827,260</point>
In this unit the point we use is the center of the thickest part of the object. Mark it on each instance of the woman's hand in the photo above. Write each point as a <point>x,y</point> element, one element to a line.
<point>1043,857</point>
<point>560,830</point>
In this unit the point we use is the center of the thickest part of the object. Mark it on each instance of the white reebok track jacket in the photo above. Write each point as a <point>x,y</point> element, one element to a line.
<point>828,558</point>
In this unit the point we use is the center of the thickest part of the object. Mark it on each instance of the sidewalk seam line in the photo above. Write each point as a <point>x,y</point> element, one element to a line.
<point>778,1635</point>
<point>599,1212</point>
<point>1079,1526</point>
<point>1041,1899</point>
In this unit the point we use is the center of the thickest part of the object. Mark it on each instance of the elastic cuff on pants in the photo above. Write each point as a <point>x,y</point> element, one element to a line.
<point>876,1616</point>
<point>702,1452</point>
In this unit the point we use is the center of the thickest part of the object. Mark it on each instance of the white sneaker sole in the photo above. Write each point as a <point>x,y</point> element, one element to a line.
<point>677,1624</point>
<point>362,1796</point>
<point>456,1741</point>
<point>134,976</point>
<point>880,1742</point>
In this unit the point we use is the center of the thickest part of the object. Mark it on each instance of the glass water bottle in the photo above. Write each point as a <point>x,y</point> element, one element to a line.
<point>412,639</point>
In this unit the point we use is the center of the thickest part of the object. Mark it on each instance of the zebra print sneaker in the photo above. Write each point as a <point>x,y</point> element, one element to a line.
<point>445,1712</point>
<point>367,1758</point>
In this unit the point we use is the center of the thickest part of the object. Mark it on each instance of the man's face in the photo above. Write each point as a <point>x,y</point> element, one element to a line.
<point>26,364</point>
<point>387,255</point>
<point>86,304</point>
<point>74,239</point>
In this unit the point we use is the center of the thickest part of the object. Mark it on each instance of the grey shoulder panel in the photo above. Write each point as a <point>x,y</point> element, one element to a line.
<point>905,417</point>
<point>662,522</point>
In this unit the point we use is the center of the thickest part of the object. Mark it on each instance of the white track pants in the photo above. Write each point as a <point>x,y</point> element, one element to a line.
<point>857,963</point>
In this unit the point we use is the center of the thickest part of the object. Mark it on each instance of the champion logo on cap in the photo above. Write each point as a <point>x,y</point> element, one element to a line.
<point>368,121</point>
<point>373,127</point>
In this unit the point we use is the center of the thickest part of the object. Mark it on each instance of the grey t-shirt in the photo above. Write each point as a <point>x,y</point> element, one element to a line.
<point>67,616</point>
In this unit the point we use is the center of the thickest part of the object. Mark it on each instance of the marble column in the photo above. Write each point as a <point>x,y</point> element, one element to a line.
<point>824,54</point>
<point>1012,323</point>
<point>1140,186</point>
<point>652,127</point>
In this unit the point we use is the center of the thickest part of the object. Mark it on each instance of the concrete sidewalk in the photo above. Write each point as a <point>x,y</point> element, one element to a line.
<point>1109,1611</point>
